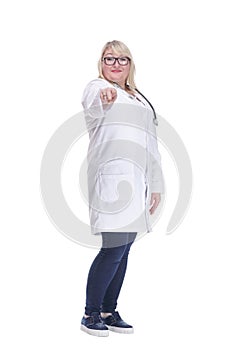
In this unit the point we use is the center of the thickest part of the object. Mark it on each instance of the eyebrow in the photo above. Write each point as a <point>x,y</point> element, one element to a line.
<point>112,55</point>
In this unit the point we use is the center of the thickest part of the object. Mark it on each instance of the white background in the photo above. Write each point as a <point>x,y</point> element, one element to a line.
<point>178,290</point>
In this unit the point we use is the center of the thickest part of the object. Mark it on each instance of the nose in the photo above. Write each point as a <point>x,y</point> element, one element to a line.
<point>116,64</point>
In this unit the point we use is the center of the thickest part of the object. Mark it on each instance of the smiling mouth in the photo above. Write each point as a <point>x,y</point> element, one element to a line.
<point>116,71</point>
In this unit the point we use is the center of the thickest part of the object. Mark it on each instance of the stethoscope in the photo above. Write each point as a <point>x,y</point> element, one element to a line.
<point>155,119</point>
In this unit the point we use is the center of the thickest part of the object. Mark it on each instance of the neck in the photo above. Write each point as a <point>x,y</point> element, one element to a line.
<point>120,84</point>
<point>125,87</point>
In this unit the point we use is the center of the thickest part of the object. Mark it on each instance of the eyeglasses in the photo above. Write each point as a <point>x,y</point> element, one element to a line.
<point>110,61</point>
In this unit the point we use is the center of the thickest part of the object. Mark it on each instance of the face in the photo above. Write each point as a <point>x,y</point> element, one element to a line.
<point>115,72</point>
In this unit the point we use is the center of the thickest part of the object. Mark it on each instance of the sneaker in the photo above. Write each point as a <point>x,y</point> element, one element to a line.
<point>116,324</point>
<point>93,325</point>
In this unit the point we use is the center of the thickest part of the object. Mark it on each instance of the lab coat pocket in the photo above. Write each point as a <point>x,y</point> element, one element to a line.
<point>115,187</point>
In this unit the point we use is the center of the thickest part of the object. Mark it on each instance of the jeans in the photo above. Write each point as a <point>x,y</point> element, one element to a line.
<point>107,272</point>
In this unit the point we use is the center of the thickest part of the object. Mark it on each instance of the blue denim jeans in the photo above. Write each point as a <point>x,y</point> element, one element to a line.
<point>107,272</point>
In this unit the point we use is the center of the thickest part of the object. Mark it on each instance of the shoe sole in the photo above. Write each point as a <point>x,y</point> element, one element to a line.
<point>95,332</point>
<point>120,330</point>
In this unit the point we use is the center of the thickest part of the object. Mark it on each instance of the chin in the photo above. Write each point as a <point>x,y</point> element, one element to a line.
<point>116,77</point>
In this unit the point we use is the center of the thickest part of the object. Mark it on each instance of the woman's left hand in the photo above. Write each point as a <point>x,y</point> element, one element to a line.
<point>154,202</point>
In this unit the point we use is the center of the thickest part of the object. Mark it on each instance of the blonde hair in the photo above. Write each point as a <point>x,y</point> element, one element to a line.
<point>119,47</point>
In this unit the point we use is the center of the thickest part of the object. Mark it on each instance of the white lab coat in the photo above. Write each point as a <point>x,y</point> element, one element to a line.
<point>124,165</point>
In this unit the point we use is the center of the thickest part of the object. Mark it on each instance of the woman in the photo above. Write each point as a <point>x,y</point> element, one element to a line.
<point>124,180</point>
